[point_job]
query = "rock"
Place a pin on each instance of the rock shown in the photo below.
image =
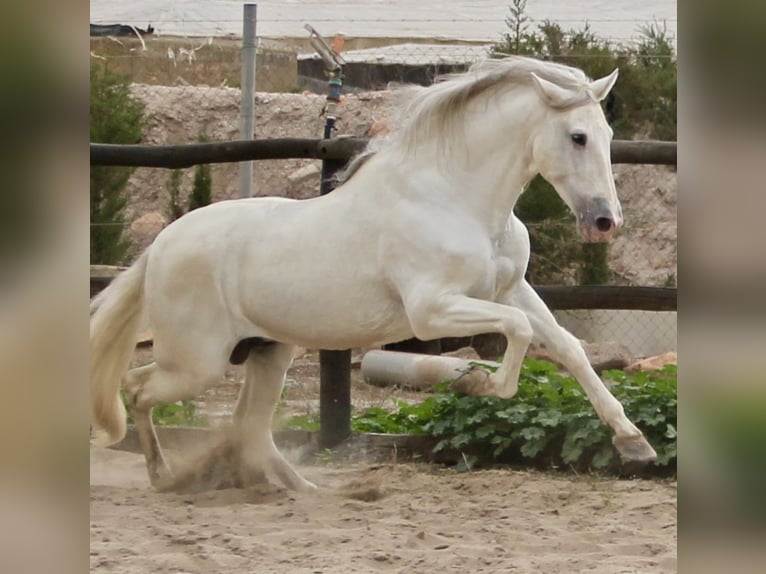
(654, 363)
(148, 226)
(304, 174)
(467, 353)
(293, 384)
(602, 356)
(608, 355)
(299, 352)
(539, 352)
(379, 127)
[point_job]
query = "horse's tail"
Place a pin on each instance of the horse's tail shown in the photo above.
(115, 318)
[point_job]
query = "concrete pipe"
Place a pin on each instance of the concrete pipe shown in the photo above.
(419, 372)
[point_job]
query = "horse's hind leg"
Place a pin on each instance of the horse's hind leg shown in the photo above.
(265, 375)
(151, 385)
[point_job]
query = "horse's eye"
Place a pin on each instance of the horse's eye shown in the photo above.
(579, 138)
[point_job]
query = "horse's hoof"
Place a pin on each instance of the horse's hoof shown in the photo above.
(463, 386)
(470, 387)
(162, 479)
(475, 382)
(635, 449)
(307, 487)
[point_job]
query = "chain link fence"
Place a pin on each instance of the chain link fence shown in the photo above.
(190, 86)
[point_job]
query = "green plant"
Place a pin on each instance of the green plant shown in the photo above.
(302, 422)
(553, 239)
(182, 413)
(115, 117)
(201, 193)
(518, 39)
(174, 207)
(594, 264)
(657, 75)
(178, 414)
(549, 423)
(670, 280)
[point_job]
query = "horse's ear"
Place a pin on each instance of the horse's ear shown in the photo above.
(553, 95)
(601, 88)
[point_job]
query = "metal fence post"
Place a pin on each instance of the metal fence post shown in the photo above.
(247, 104)
(334, 366)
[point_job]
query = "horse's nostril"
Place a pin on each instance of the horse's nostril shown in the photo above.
(604, 223)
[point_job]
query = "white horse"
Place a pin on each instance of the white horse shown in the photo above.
(420, 241)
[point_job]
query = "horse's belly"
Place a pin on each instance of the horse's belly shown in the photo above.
(330, 320)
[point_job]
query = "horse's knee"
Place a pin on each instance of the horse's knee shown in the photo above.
(576, 356)
(162, 386)
(517, 327)
(132, 385)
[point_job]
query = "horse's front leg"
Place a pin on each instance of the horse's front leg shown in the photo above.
(461, 316)
(567, 350)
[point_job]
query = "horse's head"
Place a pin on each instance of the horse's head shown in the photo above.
(571, 151)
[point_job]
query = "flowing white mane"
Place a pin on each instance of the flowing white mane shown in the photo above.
(435, 112)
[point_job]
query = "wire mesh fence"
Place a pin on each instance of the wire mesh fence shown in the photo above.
(190, 87)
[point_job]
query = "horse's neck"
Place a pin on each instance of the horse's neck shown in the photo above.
(497, 182)
(486, 172)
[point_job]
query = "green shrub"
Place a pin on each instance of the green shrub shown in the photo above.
(175, 208)
(201, 193)
(115, 117)
(549, 423)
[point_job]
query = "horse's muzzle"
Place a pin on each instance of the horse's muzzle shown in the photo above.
(598, 227)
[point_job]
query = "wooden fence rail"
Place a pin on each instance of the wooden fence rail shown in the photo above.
(188, 155)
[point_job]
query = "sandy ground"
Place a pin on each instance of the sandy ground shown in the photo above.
(384, 518)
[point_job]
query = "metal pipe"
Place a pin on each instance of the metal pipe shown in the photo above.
(334, 397)
(247, 104)
(334, 366)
